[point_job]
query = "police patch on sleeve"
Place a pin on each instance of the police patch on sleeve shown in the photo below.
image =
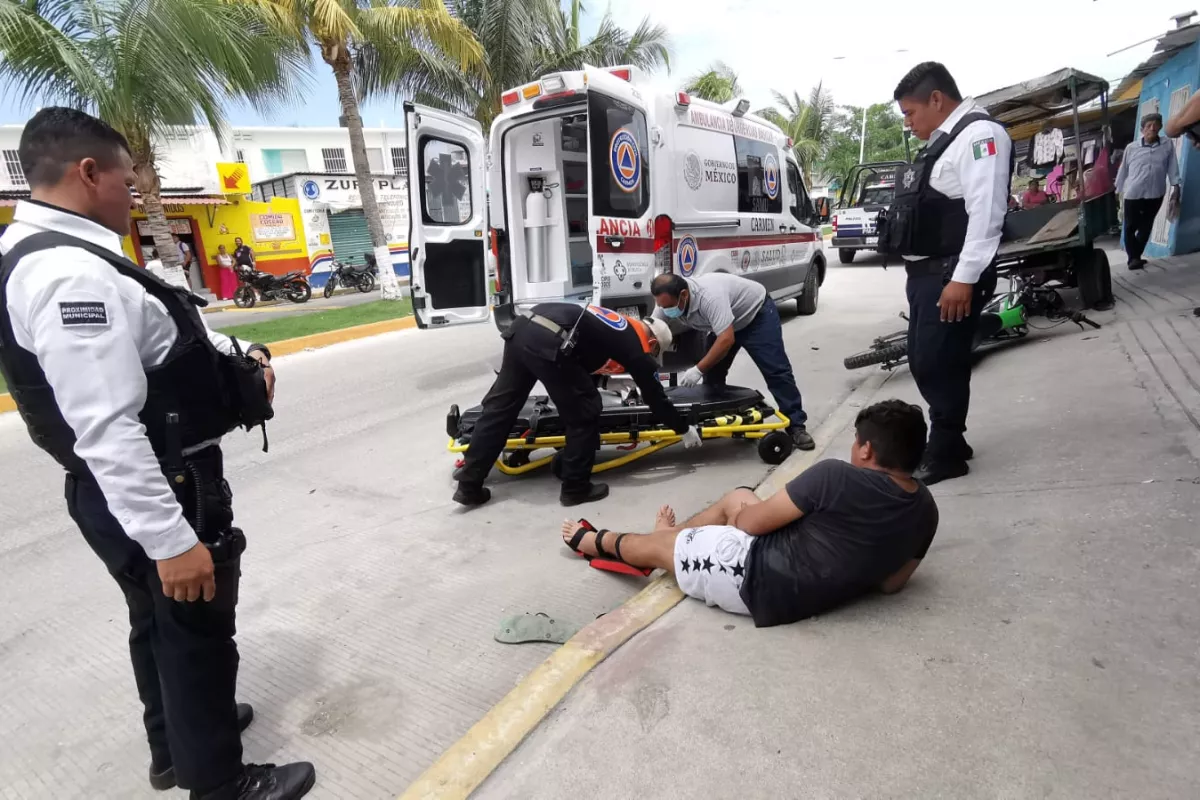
(983, 148)
(81, 313)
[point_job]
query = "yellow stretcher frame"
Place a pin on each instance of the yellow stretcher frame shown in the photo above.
(724, 427)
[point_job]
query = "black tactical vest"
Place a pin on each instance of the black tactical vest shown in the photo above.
(920, 220)
(194, 381)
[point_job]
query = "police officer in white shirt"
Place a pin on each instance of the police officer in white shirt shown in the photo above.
(946, 221)
(118, 378)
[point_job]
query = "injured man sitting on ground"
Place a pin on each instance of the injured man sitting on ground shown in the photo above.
(836, 532)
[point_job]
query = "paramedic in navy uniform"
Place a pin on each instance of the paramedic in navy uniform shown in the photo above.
(88, 352)
(946, 223)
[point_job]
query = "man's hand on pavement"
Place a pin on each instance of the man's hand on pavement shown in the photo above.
(188, 576)
(955, 302)
(268, 373)
(692, 377)
(692, 438)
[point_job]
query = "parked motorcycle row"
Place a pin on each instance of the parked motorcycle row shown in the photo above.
(255, 286)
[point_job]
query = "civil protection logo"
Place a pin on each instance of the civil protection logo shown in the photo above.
(745, 260)
(625, 161)
(689, 254)
(311, 189)
(771, 176)
(610, 318)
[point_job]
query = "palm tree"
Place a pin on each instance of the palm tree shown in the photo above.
(144, 66)
(807, 122)
(374, 47)
(525, 39)
(718, 84)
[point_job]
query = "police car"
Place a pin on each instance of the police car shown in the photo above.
(868, 191)
(594, 185)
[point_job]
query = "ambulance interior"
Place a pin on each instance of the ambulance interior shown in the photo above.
(546, 181)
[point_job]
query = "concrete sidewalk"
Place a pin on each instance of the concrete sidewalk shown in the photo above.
(1047, 648)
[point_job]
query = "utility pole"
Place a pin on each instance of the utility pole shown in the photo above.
(862, 140)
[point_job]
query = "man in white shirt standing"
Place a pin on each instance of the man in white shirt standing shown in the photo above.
(118, 378)
(946, 221)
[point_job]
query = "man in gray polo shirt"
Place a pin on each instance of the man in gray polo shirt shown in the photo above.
(735, 313)
(1148, 166)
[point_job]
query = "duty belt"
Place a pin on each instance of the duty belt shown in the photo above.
(567, 338)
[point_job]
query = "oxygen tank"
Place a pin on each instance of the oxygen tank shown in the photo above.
(537, 218)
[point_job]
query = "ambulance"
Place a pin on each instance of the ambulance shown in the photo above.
(589, 187)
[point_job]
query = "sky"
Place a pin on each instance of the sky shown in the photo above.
(848, 45)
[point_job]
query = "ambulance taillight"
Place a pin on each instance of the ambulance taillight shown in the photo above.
(664, 231)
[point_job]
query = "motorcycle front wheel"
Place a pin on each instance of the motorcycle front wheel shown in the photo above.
(330, 285)
(244, 297)
(298, 291)
(366, 282)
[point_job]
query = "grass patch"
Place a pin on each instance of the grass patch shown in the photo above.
(3, 385)
(826, 230)
(335, 319)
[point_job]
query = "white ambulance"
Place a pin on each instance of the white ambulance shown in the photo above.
(594, 187)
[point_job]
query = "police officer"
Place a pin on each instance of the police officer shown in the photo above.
(118, 378)
(946, 221)
(564, 346)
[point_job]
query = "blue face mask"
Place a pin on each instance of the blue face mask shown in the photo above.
(675, 312)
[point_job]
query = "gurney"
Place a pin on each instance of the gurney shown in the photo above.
(628, 424)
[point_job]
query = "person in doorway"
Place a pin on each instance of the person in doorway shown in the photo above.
(946, 223)
(1034, 196)
(1149, 165)
(564, 346)
(185, 254)
(736, 313)
(119, 380)
(834, 533)
(243, 255)
(155, 265)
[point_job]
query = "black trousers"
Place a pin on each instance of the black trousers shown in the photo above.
(530, 355)
(1139, 222)
(185, 661)
(939, 354)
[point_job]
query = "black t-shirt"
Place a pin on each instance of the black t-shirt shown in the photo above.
(858, 528)
(606, 340)
(244, 256)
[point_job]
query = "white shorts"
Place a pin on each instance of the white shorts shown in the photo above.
(710, 565)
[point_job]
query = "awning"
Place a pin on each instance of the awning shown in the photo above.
(1168, 45)
(189, 200)
(1041, 98)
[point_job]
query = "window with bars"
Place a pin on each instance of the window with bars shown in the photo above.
(399, 161)
(335, 159)
(12, 162)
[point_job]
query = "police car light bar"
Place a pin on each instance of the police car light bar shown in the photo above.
(682, 99)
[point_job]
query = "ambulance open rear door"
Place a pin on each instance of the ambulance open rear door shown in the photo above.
(447, 217)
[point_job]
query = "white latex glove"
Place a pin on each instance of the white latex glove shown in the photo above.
(692, 377)
(692, 438)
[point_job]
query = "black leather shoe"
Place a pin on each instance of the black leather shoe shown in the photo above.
(266, 782)
(597, 491)
(163, 777)
(471, 496)
(802, 438)
(932, 472)
(966, 451)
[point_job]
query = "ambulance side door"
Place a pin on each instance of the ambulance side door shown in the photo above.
(620, 217)
(447, 217)
(804, 238)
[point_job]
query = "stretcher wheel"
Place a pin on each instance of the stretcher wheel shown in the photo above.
(775, 447)
(517, 458)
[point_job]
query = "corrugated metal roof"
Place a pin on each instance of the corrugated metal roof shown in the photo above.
(1042, 97)
(1168, 45)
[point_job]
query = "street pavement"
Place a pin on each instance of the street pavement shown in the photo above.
(368, 599)
(1047, 647)
(232, 315)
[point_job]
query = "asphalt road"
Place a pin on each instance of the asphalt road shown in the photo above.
(369, 599)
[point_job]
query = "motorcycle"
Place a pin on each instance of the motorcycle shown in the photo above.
(254, 286)
(352, 276)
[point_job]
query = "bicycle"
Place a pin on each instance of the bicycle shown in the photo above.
(1005, 318)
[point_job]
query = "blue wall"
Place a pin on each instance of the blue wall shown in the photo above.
(1182, 70)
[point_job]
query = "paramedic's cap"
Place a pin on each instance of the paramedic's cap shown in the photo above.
(662, 332)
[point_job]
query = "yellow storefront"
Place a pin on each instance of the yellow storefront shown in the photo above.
(272, 228)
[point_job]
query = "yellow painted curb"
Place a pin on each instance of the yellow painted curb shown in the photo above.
(470, 760)
(289, 346)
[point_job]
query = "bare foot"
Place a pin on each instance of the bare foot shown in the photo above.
(587, 545)
(665, 518)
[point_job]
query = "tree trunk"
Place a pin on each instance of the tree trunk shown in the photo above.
(148, 187)
(338, 57)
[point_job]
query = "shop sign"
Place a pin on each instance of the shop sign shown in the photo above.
(272, 227)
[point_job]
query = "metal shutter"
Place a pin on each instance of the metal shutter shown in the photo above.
(350, 237)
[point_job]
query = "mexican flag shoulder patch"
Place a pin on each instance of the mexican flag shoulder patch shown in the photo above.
(984, 148)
